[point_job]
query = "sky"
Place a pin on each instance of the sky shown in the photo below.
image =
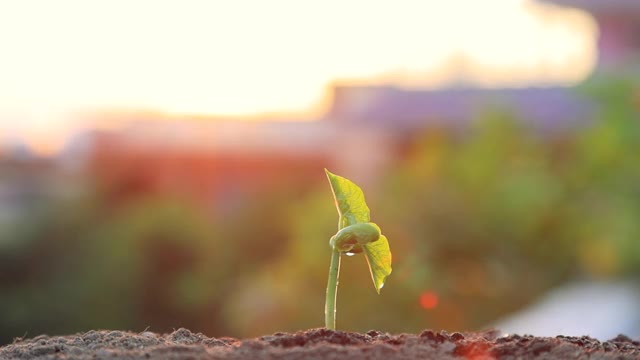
(246, 57)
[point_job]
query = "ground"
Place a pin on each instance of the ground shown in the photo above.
(318, 344)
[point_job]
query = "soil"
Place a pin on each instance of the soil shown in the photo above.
(318, 344)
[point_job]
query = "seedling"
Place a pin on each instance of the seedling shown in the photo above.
(355, 235)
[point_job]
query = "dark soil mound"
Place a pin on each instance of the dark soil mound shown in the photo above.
(318, 344)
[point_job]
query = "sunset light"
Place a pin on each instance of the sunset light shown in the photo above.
(172, 174)
(251, 57)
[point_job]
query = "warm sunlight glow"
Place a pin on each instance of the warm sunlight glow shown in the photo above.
(246, 57)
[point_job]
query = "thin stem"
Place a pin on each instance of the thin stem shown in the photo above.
(332, 291)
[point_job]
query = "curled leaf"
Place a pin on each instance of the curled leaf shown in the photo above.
(356, 234)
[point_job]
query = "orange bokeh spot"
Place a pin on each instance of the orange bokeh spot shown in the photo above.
(428, 300)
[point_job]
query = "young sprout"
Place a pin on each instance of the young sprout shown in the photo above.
(355, 235)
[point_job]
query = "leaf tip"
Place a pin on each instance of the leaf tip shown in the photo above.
(379, 288)
(381, 284)
(329, 173)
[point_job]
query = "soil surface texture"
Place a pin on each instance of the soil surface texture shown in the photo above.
(318, 344)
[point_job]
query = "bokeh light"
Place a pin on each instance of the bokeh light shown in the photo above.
(428, 300)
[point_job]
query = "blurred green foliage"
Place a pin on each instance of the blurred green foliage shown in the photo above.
(487, 220)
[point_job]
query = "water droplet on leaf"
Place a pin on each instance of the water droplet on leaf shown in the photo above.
(348, 253)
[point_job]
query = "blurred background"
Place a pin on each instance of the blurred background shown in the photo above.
(161, 164)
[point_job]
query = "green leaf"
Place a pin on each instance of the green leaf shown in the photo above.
(378, 256)
(349, 200)
(353, 210)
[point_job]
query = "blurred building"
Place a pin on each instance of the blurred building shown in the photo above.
(405, 110)
(222, 162)
(364, 128)
(24, 181)
(548, 108)
(619, 26)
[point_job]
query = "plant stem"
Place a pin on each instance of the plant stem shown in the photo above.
(332, 291)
